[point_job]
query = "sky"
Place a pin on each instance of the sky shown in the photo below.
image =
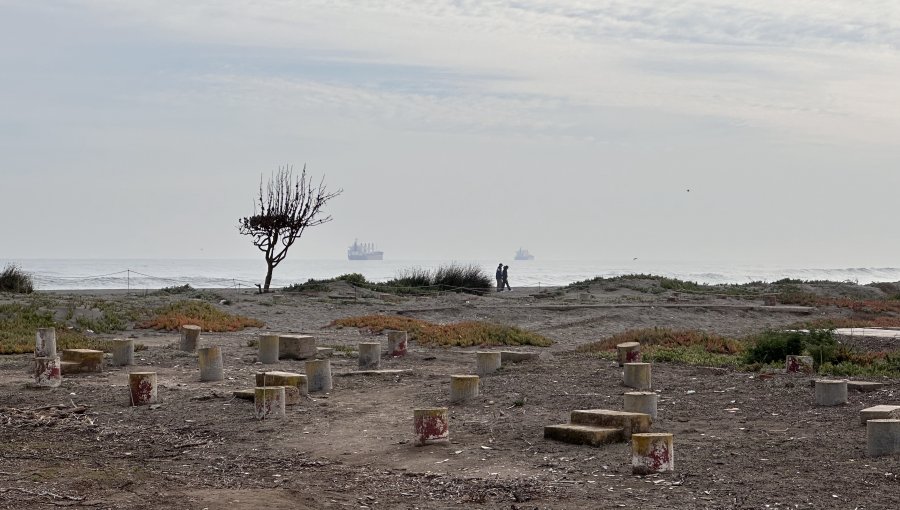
(759, 131)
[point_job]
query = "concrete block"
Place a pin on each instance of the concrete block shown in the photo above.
(882, 437)
(652, 453)
(880, 412)
(831, 393)
(517, 356)
(88, 361)
(629, 422)
(628, 352)
(864, 386)
(244, 394)
(296, 347)
(583, 434)
(637, 376)
(431, 425)
(487, 362)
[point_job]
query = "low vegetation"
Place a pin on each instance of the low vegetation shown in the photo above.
(19, 322)
(453, 277)
(766, 349)
(171, 317)
(463, 334)
(13, 279)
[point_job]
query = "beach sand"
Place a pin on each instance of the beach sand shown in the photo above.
(741, 440)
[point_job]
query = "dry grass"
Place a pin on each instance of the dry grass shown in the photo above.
(463, 334)
(19, 323)
(668, 338)
(200, 313)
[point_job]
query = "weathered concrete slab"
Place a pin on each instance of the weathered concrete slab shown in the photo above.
(629, 422)
(375, 372)
(864, 386)
(244, 394)
(881, 412)
(584, 434)
(517, 356)
(324, 352)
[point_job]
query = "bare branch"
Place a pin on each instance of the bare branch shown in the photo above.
(285, 208)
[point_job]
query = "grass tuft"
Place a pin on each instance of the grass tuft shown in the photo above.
(200, 313)
(463, 334)
(13, 279)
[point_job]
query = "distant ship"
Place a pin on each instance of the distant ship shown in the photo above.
(364, 251)
(523, 254)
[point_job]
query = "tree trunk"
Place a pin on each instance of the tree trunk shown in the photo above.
(268, 277)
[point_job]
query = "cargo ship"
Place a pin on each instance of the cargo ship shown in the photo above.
(364, 251)
(523, 254)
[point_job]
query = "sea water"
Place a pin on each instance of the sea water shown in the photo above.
(62, 274)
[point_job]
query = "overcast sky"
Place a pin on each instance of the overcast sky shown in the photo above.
(457, 129)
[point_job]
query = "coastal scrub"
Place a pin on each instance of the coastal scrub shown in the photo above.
(463, 334)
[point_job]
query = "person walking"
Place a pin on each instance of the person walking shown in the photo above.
(500, 277)
(506, 278)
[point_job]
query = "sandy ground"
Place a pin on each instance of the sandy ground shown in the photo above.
(741, 441)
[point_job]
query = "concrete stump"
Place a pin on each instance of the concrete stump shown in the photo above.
(798, 364)
(318, 375)
(268, 349)
(268, 402)
(637, 376)
(190, 338)
(369, 355)
(122, 352)
(831, 393)
(431, 425)
(463, 387)
(294, 384)
(210, 361)
(82, 360)
(628, 352)
(397, 341)
(487, 362)
(296, 347)
(641, 402)
(143, 388)
(882, 437)
(652, 453)
(45, 343)
(47, 372)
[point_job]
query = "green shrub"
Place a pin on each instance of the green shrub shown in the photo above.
(311, 285)
(13, 279)
(468, 278)
(353, 279)
(775, 346)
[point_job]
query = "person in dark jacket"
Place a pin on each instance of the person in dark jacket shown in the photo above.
(500, 277)
(506, 278)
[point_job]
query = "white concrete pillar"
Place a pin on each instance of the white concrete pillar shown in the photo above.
(637, 376)
(45, 343)
(397, 342)
(487, 362)
(628, 352)
(143, 388)
(122, 352)
(369, 355)
(47, 372)
(882, 437)
(463, 387)
(652, 453)
(432, 425)
(268, 349)
(641, 402)
(190, 338)
(318, 375)
(210, 361)
(831, 393)
(268, 402)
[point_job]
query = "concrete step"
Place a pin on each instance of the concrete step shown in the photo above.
(244, 394)
(584, 434)
(70, 367)
(629, 423)
(882, 412)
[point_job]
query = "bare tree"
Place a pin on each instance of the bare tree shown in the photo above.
(285, 208)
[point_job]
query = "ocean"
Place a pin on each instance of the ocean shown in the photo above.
(69, 274)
